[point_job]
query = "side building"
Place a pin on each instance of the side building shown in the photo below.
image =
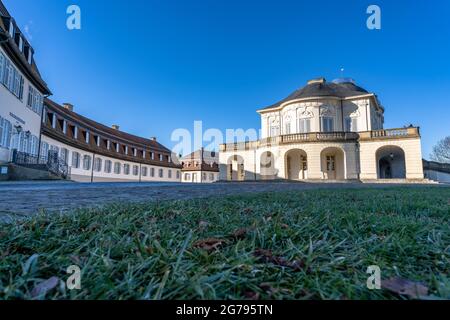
(22, 91)
(98, 153)
(200, 167)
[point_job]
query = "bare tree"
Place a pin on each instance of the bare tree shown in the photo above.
(441, 151)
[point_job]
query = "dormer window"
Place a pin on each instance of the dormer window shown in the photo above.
(87, 137)
(30, 56)
(98, 141)
(54, 121)
(20, 44)
(11, 28)
(64, 127)
(108, 145)
(126, 149)
(135, 152)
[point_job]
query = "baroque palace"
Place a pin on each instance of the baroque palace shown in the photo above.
(37, 133)
(325, 131)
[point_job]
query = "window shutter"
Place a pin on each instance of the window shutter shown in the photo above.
(21, 88)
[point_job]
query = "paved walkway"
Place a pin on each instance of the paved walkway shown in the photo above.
(20, 199)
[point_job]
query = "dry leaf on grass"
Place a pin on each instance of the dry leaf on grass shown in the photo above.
(209, 244)
(240, 234)
(44, 287)
(267, 256)
(413, 290)
(251, 295)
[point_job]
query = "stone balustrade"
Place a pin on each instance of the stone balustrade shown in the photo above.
(411, 132)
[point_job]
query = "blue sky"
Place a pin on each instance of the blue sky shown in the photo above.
(154, 66)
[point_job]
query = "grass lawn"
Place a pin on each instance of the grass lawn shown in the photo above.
(295, 245)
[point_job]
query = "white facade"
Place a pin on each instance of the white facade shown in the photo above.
(324, 137)
(20, 111)
(89, 167)
(199, 177)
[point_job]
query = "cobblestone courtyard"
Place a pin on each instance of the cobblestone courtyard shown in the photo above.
(27, 198)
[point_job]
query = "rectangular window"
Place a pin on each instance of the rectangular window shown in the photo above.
(170, 174)
(98, 165)
(287, 128)
(108, 165)
(160, 157)
(348, 125)
(64, 155)
(87, 163)
(274, 131)
(304, 125)
(161, 173)
(9, 73)
(75, 160)
(126, 169)
(117, 168)
(144, 171)
(178, 174)
(2, 124)
(354, 124)
(152, 172)
(327, 124)
(44, 151)
(2, 66)
(135, 170)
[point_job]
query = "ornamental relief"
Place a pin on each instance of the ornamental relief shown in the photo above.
(327, 111)
(304, 113)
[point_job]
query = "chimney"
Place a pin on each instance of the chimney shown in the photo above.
(115, 127)
(68, 106)
(318, 80)
(153, 139)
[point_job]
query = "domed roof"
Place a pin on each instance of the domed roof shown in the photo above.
(340, 88)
